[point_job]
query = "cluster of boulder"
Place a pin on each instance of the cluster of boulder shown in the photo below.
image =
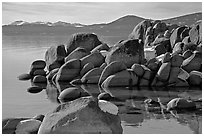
(175, 60)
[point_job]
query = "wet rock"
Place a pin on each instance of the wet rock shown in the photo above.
(144, 82)
(92, 77)
(54, 57)
(78, 53)
(86, 40)
(39, 72)
(178, 48)
(128, 52)
(82, 115)
(38, 64)
(9, 125)
(173, 76)
(193, 62)
(138, 69)
(140, 30)
(195, 78)
(29, 126)
(181, 104)
(95, 58)
(163, 72)
(39, 117)
(69, 94)
(187, 54)
(176, 60)
(69, 70)
(111, 69)
(196, 33)
(175, 36)
(34, 89)
(100, 47)
(39, 79)
(120, 79)
(86, 68)
(24, 77)
(52, 73)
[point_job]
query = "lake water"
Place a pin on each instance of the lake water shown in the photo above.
(18, 52)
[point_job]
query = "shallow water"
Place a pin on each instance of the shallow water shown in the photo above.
(18, 52)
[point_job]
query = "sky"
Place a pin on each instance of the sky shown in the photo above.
(93, 12)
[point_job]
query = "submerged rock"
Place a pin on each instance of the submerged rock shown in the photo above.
(83, 116)
(29, 126)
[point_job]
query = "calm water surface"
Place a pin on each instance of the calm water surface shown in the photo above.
(20, 51)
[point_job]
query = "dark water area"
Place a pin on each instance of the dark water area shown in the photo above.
(18, 52)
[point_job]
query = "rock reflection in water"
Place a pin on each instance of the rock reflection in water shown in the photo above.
(139, 117)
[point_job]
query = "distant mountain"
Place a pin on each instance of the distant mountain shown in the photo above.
(121, 27)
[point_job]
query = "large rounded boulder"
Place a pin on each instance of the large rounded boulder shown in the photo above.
(54, 57)
(69, 70)
(195, 78)
(85, 115)
(128, 52)
(86, 40)
(92, 76)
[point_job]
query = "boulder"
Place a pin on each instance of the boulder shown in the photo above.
(162, 41)
(100, 47)
(82, 116)
(121, 79)
(167, 34)
(154, 66)
(172, 27)
(86, 40)
(167, 57)
(181, 83)
(34, 89)
(187, 54)
(183, 74)
(175, 36)
(95, 58)
(39, 72)
(173, 76)
(69, 70)
(160, 49)
(78, 53)
(181, 104)
(159, 27)
(195, 78)
(138, 69)
(140, 30)
(185, 33)
(9, 125)
(103, 65)
(196, 33)
(163, 72)
(143, 82)
(193, 62)
(189, 46)
(147, 73)
(111, 69)
(176, 60)
(148, 40)
(128, 52)
(29, 126)
(86, 68)
(186, 40)
(38, 64)
(52, 73)
(178, 48)
(24, 77)
(69, 94)
(54, 57)
(92, 77)
(39, 79)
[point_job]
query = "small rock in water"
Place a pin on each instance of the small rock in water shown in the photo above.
(39, 117)
(29, 126)
(181, 104)
(39, 79)
(34, 89)
(108, 107)
(69, 94)
(38, 64)
(24, 77)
